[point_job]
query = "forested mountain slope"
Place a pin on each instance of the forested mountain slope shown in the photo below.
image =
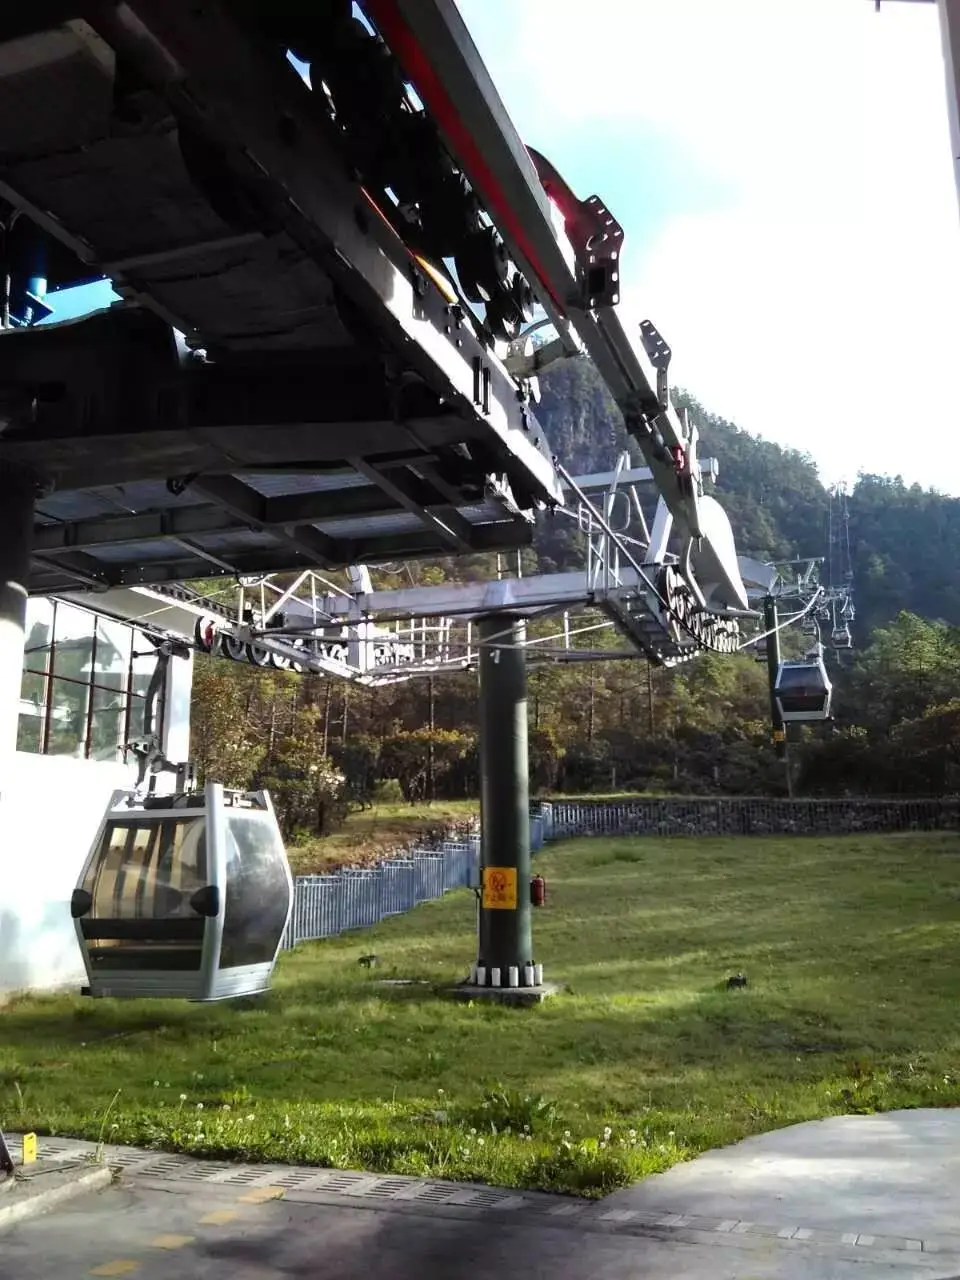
(596, 726)
(905, 541)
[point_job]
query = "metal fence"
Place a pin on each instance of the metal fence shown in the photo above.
(358, 897)
(740, 816)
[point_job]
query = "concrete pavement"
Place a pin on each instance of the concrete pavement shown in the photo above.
(864, 1197)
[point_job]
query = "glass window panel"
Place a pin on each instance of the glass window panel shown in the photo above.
(38, 633)
(112, 658)
(108, 699)
(106, 732)
(258, 892)
(144, 663)
(73, 643)
(142, 882)
(137, 708)
(68, 718)
(30, 731)
(33, 693)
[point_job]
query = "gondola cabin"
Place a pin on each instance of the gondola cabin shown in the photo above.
(184, 896)
(803, 690)
(842, 637)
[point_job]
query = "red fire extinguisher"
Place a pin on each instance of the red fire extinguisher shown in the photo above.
(538, 891)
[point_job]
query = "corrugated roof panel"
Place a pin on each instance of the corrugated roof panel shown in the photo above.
(371, 526)
(235, 540)
(134, 553)
(281, 484)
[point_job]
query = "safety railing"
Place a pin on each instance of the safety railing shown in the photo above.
(358, 897)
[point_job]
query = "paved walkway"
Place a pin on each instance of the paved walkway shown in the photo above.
(862, 1196)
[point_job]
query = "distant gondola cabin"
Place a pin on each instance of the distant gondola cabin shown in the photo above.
(803, 690)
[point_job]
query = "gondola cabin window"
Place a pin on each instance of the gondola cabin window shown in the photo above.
(256, 897)
(140, 887)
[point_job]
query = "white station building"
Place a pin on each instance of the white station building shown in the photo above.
(82, 694)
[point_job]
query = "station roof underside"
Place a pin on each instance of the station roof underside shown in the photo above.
(342, 410)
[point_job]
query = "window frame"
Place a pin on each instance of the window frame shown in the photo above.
(127, 696)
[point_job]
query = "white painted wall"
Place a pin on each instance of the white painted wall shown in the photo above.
(52, 806)
(50, 809)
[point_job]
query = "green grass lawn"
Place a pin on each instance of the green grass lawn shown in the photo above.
(851, 947)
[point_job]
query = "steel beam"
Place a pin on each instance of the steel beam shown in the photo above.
(635, 475)
(431, 41)
(242, 501)
(472, 599)
(771, 625)
(445, 521)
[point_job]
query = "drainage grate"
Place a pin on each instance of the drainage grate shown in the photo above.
(435, 1193)
(345, 1182)
(385, 1188)
(206, 1172)
(486, 1199)
(243, 1175)
(127, 1159)
(298, 1178)
(172, 1168)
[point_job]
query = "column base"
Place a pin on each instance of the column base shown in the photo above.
(520, 997)
(513, 976)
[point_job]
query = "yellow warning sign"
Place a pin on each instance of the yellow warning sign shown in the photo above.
(779, 735)
(29, 1148)
(500, 888)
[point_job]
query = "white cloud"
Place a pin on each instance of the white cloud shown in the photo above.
(820, 305)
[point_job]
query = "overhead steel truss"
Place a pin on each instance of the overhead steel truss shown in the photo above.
(310, 623)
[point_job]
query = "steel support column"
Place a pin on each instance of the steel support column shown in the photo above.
(771, 621)
(505, 946)
(17, 492)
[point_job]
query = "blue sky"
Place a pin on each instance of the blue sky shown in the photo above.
(783, 174)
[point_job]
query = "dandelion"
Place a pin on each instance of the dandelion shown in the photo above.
(566, 1133)
(183, 1097)
(607, 1133)
(480, 1142)
(603, 1146)
(199, 1106)
(631, 1133)
(473, 1133)
(226, 1106)
(526, 1128)
(251, 1117)
(440, 1092)
(671, 1133)
(156, 1084)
